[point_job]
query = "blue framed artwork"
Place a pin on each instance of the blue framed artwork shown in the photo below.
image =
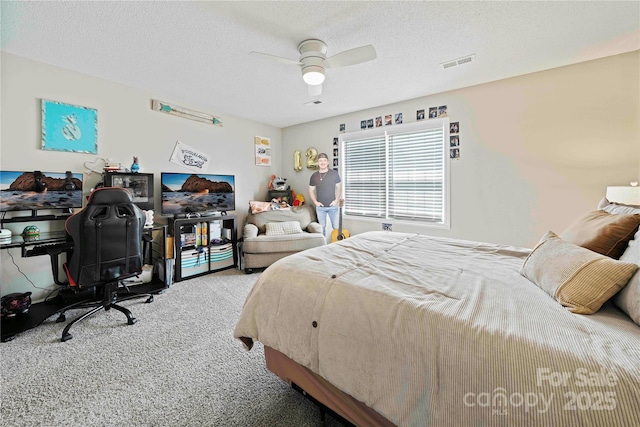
(68, 127)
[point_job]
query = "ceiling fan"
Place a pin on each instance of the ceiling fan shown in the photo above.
(313, 61)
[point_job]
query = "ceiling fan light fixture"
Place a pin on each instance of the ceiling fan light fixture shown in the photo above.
(313, 75)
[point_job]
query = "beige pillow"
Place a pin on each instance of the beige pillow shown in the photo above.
(603, 232)
(577, 278)
(282, 228)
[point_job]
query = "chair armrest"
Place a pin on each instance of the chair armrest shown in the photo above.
(314, 227)
(250, 230)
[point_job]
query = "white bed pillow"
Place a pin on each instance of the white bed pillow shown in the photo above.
(628, 299)
(617, 208)
(579, 279)
(282, 228)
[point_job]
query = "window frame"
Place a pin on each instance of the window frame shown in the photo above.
(440, 123)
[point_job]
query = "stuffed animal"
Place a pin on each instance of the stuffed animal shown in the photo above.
(298, 200)
(280, 184)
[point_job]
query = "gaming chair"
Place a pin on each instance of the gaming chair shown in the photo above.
(107, 248)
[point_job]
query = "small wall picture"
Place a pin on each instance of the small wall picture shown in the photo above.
(433, 112)
(263, 150)
(420, 115)
(388, 121)
(454, 141)
(454, 127)
(399, 118)
(342, 127)
(442, 111)
(67, 127)
(335, 152)
(378, 121)
(363, 124)
(454, 153)
(387, 226)
(370, 123)
(335, 142)
(335, 164)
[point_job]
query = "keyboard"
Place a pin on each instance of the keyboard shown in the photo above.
(48, 248)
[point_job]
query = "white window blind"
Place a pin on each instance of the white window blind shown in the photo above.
(365, 177)
(398, 173)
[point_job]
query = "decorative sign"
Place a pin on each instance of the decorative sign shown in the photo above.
(263, 151)
(190, 157)
(185, 113)
(68, 127)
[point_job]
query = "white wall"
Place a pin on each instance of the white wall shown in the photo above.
(537, 151)
(127, 127)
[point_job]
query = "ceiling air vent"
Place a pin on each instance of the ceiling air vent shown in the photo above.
(460, 61)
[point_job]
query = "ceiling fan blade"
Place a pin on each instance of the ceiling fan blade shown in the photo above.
(276, 58)
(351, 57)
(315, 90)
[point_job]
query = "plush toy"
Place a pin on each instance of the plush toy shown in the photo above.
(278, 203)
(298, 200)
(272, 178)
(280, 183)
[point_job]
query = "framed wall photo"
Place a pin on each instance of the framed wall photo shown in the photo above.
(67, 127)
(263, 151)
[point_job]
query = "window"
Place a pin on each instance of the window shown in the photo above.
(400, 172)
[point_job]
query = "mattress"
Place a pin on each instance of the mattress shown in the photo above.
(434, 331)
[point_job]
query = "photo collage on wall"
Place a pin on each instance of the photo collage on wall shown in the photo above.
(454, 128)
(386, 120)
(336, 153)
(454, 140)
(422, 114)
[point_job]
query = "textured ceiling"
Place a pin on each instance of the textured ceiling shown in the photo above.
(197, 53)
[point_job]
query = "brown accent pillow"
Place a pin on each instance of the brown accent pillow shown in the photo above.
(603, 232)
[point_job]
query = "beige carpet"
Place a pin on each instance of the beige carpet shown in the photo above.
(178, 366)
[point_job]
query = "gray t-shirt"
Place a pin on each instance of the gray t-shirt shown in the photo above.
(325, 184)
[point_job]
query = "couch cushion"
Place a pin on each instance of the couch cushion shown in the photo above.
(285, 243)
(303, 214)
(282, 228)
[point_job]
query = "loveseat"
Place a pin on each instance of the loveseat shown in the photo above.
(274, 234)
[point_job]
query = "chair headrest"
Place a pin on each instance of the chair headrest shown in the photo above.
(109, 196)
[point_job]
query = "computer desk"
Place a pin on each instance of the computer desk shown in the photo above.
(53, 244)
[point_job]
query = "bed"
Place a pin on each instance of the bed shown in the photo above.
(403, 329)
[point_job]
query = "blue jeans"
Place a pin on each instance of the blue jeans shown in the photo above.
(333, 213)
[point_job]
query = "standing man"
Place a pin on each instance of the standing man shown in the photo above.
(325, 189)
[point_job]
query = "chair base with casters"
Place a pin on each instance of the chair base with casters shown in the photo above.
(111, 299)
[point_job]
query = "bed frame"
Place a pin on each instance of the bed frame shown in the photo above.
(322, 393)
